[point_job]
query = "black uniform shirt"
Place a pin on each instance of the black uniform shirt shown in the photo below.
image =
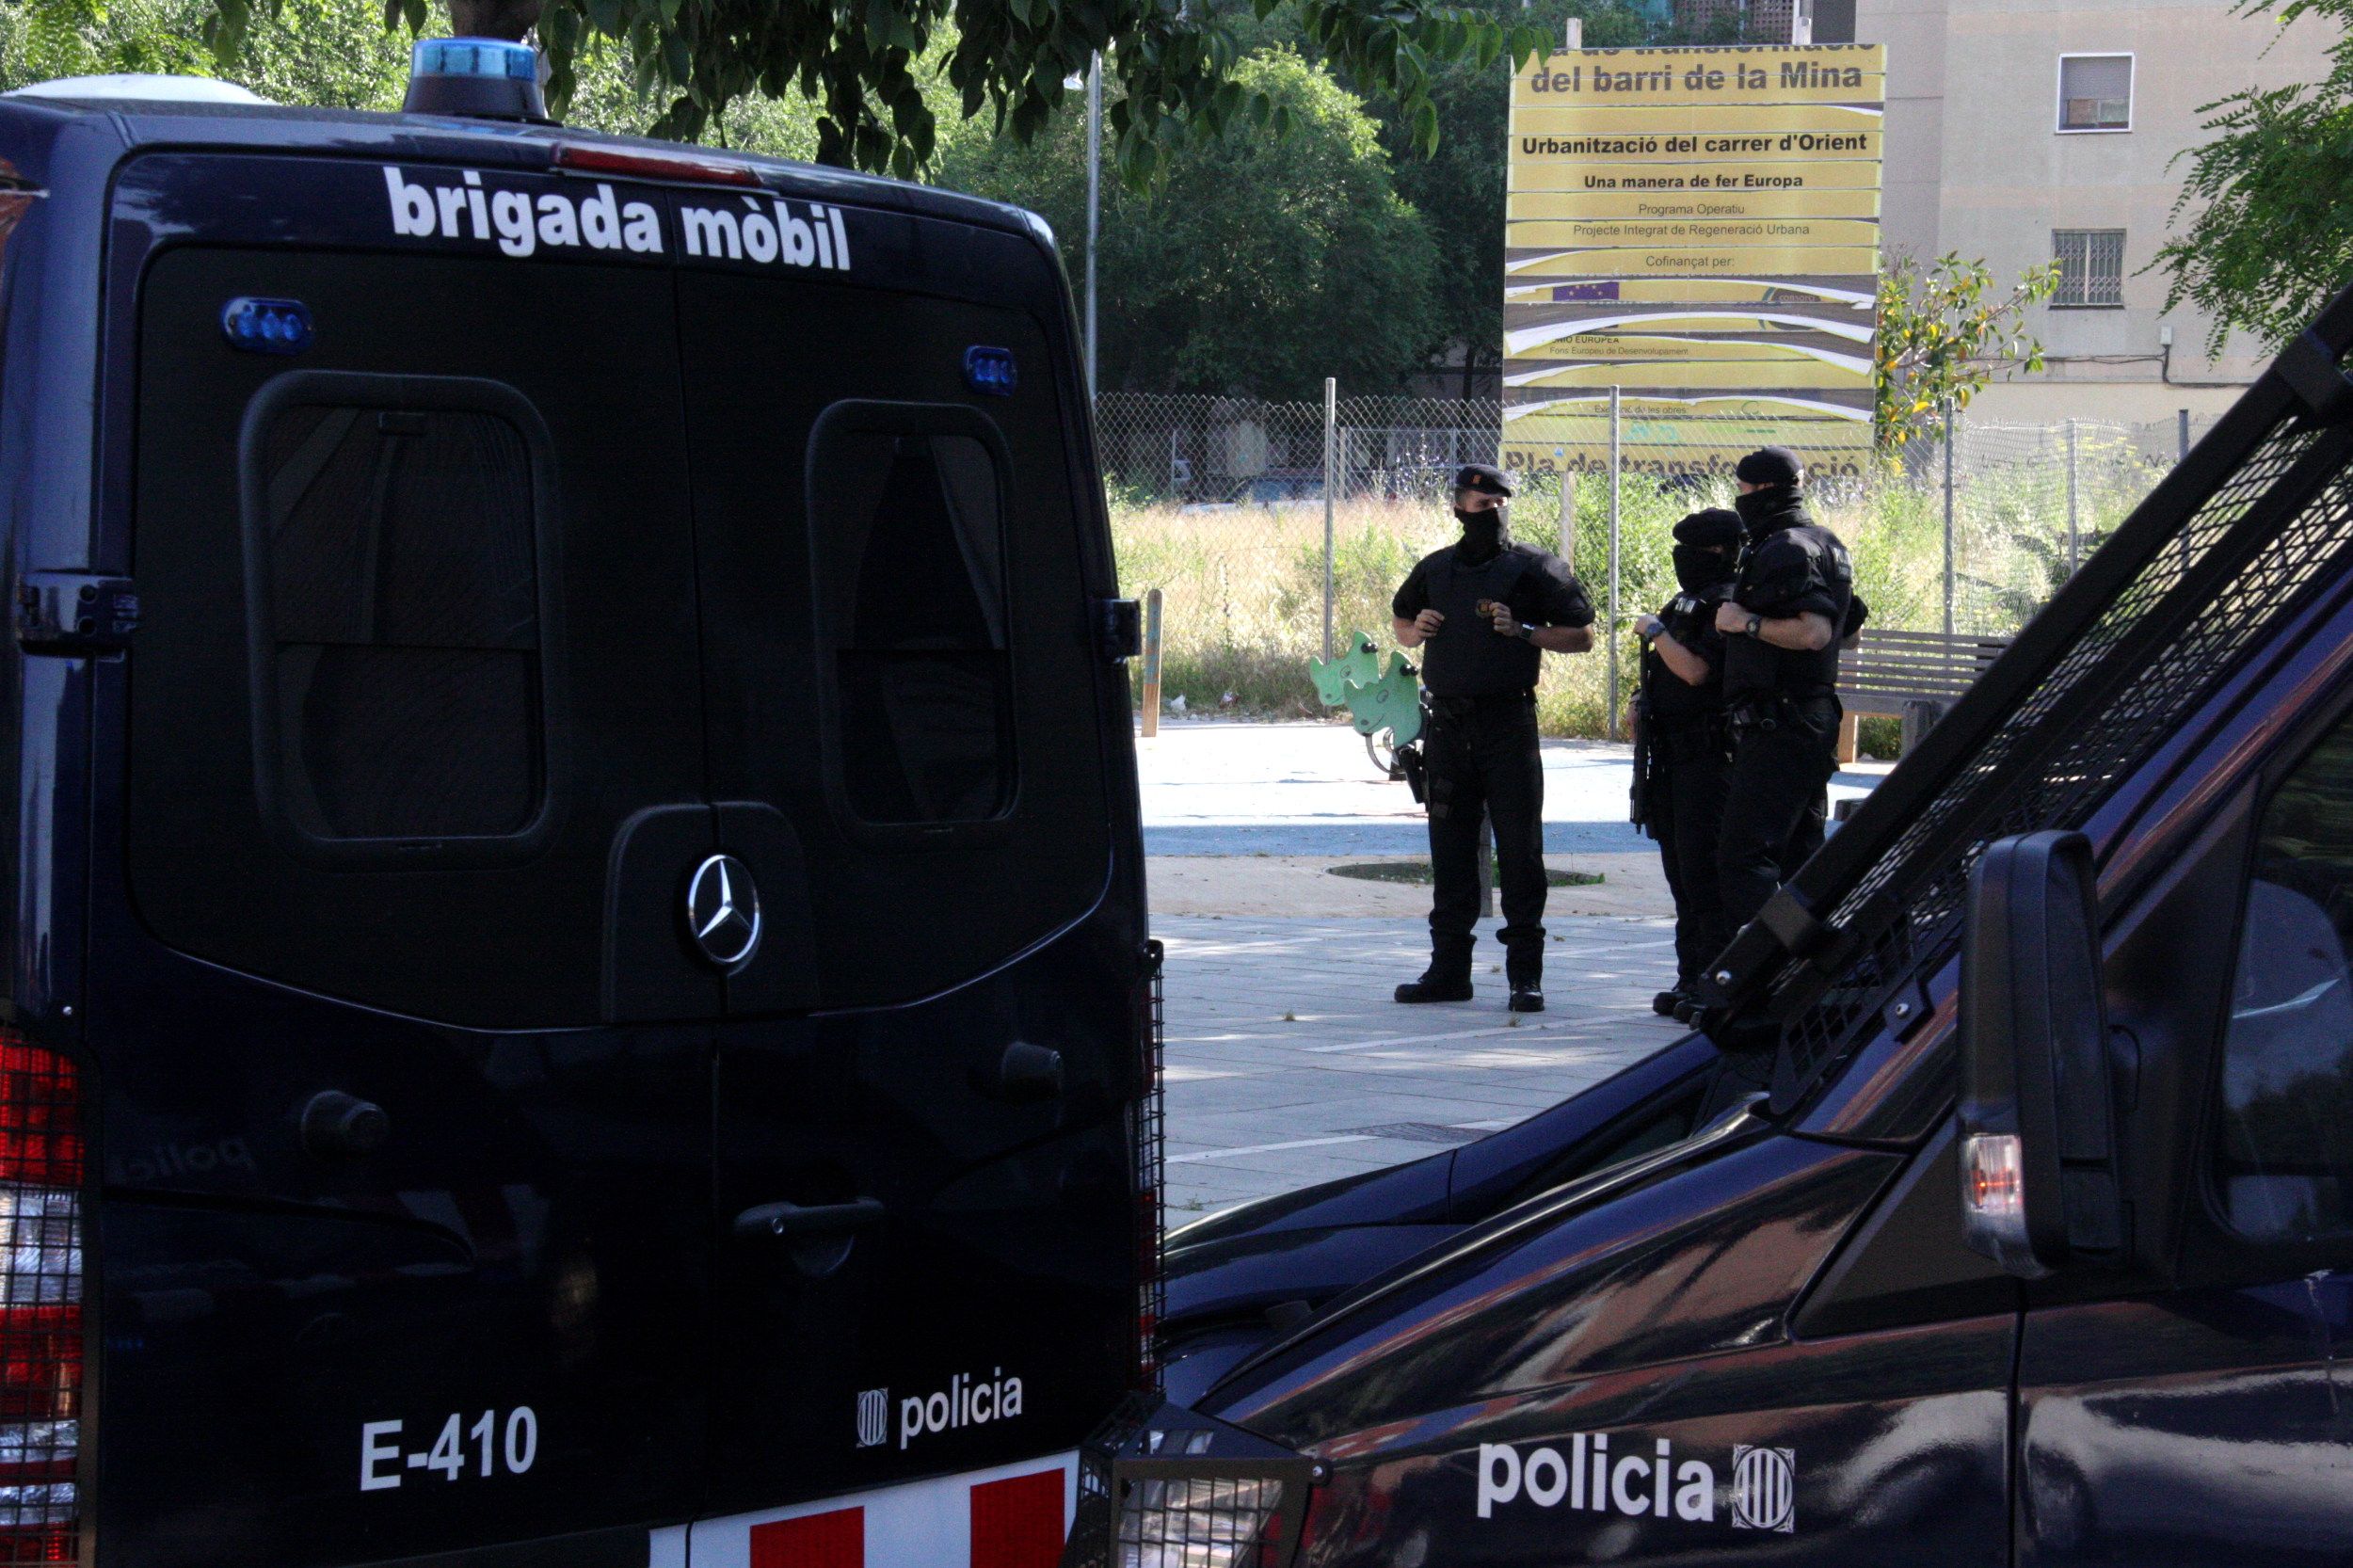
(1469, 657)
(1691, 620)
(1786, 573)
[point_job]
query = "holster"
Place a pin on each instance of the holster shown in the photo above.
(1416, 776)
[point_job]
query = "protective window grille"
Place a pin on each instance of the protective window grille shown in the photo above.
(40, 1303)
(2092, 269)
(2096, 92)
(1164, 1485)
(2194, 602)
(1151, 1175)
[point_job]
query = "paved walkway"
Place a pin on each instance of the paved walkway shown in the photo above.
(1288, 1064)
(1223, 786)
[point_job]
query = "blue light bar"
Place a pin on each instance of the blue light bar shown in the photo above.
(266, 326)
(481, 78)
(991, 371)
(473, 57)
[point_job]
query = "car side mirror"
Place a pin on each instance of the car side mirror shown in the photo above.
(2040, 1184)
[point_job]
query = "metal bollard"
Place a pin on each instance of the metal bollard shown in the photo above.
(1151, 664)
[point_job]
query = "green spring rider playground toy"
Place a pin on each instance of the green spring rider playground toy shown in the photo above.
(1383, 703)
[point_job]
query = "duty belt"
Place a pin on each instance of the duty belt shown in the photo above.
(1761, 712)
(1465, 707)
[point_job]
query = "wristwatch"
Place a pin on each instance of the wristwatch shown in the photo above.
(1527, 632)
(1754, 622)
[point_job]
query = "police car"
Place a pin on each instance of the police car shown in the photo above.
(576, 979)
(2003, 1214)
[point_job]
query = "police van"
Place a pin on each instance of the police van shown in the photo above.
(2004, 1213)
(577, 989)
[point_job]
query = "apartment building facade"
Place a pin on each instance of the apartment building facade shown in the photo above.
(2052, 131)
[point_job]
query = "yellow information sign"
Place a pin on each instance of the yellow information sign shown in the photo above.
(1691, 206)
(1697, 227)
(1536, 172)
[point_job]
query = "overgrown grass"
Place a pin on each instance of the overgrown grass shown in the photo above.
(1242, 588)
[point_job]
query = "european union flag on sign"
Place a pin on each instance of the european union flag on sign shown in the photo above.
(1585, 294)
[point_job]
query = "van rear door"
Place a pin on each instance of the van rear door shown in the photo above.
(395, 793)
(909, 748)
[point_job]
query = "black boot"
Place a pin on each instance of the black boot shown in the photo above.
(1527, 986)
(1666, 1004)
(1437, 985)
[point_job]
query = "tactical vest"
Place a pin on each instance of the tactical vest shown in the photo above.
(1469, 657)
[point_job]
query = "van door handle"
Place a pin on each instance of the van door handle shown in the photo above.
(1026, 1074)
(794, 1221)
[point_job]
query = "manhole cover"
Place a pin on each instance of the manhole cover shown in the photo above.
(1420, 1132)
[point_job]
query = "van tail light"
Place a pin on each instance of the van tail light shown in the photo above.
(581, 157)
(1150, 1169)
(40, 1303)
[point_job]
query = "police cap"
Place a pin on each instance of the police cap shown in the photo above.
(1484, 477)
(1709, 528)
(1770, 465)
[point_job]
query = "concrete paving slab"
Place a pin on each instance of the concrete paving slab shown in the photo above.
(1258, 1106)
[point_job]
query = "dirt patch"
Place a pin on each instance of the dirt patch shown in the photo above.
(1630, 884)
(1419, 874)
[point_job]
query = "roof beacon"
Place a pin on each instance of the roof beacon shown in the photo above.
(481, 78)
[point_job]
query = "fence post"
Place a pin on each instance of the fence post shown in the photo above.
(2181, 437)
(1948, 519)
(1611, 698)
(1486, 865)
(1151, 662)
(2074, 535)
(1568, 519)
(1094, 198)
(1331, 483)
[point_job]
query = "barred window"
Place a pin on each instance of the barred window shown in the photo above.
(2092, 269)
(2095, 92)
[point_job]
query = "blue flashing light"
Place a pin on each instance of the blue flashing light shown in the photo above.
(495, 58)
(991, 371)
(266, 326)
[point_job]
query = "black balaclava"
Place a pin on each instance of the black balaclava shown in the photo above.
(1779, 471)
(1704, 549)
(1483, 535)
(1700, 568)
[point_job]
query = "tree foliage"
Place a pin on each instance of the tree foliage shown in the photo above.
(861, 65)
(1940, 328)
(2271, 232)
(1252, 265)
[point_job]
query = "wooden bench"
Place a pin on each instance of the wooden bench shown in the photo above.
(1911, 676)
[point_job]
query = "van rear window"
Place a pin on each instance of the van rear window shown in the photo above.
(394, 580)
(909, 550)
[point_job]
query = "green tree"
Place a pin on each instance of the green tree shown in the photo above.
(336, 54)
(1940, 328)
(2270, 233)
(1254, 264)
(1176, 65)
(1458, 186)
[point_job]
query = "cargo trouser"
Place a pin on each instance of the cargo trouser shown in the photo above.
(1784, 752)
(1481, 754)
(1684, 811)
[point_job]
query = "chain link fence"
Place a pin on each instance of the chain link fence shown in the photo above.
(1267, 526)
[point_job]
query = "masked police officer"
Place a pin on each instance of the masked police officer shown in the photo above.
(1788, 611)
(1483, 609)
(1681, 750)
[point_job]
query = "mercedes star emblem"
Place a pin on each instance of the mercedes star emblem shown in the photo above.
(723, 912)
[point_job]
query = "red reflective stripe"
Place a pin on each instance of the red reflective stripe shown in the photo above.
(835, 1540)
(1016, 1522)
